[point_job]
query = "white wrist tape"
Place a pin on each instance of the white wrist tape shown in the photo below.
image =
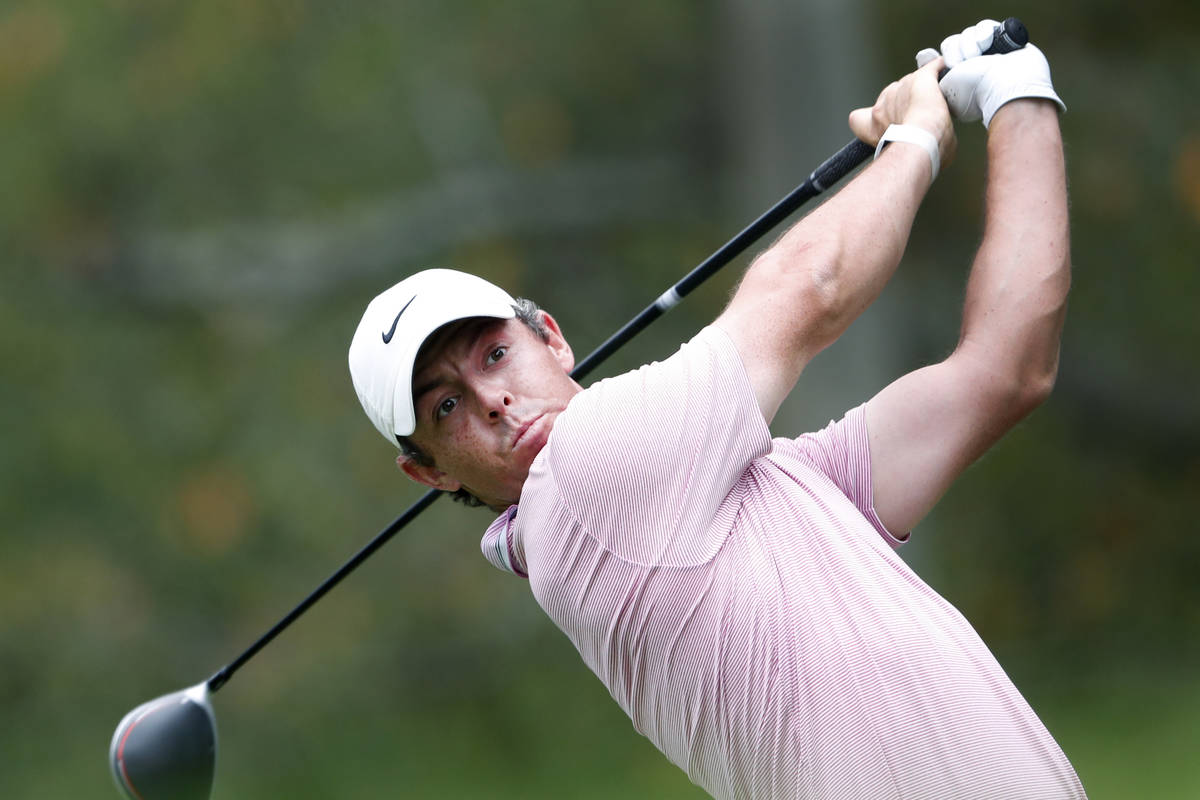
(912, 135)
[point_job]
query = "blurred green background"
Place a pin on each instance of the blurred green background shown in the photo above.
(199, 199)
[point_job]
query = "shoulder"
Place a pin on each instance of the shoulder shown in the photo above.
(647, 457)
(632, 426)
(672, 390)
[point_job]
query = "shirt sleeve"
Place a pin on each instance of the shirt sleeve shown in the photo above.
(497, 545)
(842, 452)
(645, 460)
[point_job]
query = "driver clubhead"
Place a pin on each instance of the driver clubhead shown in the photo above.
(167, 748)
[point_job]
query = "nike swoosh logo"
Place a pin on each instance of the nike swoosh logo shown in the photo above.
(387, 337)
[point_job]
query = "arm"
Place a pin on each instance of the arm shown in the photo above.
(928, 426)
(801, 294)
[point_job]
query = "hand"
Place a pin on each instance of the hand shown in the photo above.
(915, 99)
(971, 43)
(977, 85)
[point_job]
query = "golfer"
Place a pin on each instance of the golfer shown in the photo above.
(740, 595)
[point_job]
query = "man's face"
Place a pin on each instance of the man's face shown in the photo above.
(486, 394)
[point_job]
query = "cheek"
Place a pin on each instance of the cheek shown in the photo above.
(546, 379)
(466, 446)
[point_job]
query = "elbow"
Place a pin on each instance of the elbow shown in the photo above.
(1035, 388)
(1015, 356)
(1019, 393)
(1036, 370)
(820, 292)
(808, 292)
(1007, 389)
(809, 272)
(824, 288)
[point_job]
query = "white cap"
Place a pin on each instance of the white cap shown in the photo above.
(396, 324)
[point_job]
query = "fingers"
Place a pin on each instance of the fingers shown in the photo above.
(893, 103)
(933, 65)
(925, 56)
(916, 98)
(868, 124)
(972, 42)
(861, 126)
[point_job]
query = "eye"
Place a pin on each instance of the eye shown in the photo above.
(496, 355)
(445, 407)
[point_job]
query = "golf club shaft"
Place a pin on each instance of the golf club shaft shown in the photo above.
(221, 676)
(826, 175)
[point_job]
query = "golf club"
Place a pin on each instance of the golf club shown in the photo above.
(166, 748)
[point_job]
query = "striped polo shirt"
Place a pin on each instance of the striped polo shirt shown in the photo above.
(742, 602)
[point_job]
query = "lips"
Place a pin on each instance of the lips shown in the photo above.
(530, 432)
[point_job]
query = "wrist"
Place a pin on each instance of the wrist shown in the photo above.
(1023, 111)
(940, 126)
(914, 135)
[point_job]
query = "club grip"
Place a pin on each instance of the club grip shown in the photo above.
(840, 164)
(1008, 36)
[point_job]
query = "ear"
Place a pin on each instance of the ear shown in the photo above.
(428, 475)
(558, 343)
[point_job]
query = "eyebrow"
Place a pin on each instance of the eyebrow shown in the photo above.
(427, 387)
(421, 391)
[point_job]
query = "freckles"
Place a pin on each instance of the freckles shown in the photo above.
(467, 443)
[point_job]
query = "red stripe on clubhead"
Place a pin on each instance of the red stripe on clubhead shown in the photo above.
(121, 755)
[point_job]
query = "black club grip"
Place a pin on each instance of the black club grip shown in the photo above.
(840, 164)
(1008, 36)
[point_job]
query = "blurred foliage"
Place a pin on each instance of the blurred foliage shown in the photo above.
(197, 203)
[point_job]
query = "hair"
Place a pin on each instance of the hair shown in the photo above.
(528, 312)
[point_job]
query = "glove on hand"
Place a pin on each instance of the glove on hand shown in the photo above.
(977, 85)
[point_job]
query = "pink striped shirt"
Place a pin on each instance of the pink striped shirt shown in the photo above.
(742, 602)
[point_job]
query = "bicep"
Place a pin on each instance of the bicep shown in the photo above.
(928, 426)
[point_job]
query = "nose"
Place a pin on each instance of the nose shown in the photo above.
(495, 401)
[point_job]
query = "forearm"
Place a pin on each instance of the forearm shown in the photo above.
(1017, 292)
(833, 263)
(845, 252)
(928, 426)
(805, 290)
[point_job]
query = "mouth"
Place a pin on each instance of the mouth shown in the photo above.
(522, 436)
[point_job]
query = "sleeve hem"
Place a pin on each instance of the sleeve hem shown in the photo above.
(895, 540)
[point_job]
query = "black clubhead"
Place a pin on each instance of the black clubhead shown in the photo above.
(166, 749)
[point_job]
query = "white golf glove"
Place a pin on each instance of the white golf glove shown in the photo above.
(977, 85)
